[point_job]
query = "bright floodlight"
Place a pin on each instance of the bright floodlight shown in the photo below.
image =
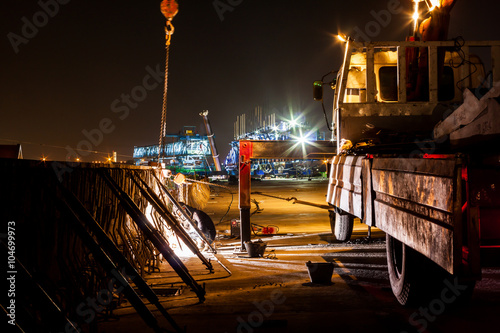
(433, 4)
(302, 139)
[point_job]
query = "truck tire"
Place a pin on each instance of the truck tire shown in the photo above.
(400, 270)
(417, 280)
(341, 225)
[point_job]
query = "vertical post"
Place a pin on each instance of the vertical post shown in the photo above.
(465, 68)
(402, 74)
(340, 90)
(433, 74)
(495, 62)
(211, 141)
(371, 88)
(244, 191)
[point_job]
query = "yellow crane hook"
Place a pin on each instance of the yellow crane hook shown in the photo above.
(169, 9)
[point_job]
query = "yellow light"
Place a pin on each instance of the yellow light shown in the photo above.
(179, 179)
(416, 16)
(341, 38)
(433, 4)
(78, 159)
(302, 139)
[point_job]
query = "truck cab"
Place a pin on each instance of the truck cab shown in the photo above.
(378, 91)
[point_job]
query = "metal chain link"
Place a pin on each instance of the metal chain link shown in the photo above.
(169, 30)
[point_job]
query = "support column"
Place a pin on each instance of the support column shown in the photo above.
(244, 191)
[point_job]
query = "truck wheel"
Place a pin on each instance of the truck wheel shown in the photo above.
(400, 271)
(341, 225)
(415, 279)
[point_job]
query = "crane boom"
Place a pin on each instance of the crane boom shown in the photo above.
(211, 140)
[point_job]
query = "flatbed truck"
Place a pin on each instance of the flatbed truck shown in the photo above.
(424, 168)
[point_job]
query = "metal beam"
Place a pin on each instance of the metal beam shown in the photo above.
(288, 149)
(152, 234)
(76, 208)
(244, 190)
(271, 149)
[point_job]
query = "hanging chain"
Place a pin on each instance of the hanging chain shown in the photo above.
(169, 9)
(163, 126)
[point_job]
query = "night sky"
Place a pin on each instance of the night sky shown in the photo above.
(69, 75)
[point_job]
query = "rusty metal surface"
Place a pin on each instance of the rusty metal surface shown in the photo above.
(268, 149)
(366, 178)
(414, 202)
(49, 244)
(290, 149)
(345, 185)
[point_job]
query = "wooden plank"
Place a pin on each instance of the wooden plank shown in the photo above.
(467, 112)
(415, 204)
(436, 167)
(371, 86)
(428, 191)
(433, 74)
(402, 74)
(495, 62)
(484, 126)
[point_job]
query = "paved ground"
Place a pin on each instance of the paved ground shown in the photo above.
(274, 293)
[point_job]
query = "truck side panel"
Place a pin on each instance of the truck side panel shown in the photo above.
(345, 186)
(414, 202)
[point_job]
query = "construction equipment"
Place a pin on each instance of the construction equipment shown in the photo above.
(420, 168)
(74, 207)
(210, 136)
(416, 155)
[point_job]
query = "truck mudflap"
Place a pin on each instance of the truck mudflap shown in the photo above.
(418, 202)
(345, 186)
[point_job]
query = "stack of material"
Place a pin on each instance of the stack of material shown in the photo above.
(475, 121)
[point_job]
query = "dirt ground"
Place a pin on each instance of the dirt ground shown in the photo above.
(275, 293)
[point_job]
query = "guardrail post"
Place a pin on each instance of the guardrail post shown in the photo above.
(244, 191)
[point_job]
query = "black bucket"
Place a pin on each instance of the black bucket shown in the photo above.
(255, 249)
(320, 272)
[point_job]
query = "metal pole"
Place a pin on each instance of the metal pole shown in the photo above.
(244, 191)
(211, 140)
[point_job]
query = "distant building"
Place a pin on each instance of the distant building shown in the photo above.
(186, 152)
